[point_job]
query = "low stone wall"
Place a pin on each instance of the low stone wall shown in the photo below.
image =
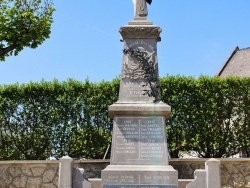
(235, 173)
(35, 174)
(92, 168)
(186, 167)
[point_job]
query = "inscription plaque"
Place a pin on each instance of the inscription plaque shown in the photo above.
(140, 176)
(139, 140)
(133, 90)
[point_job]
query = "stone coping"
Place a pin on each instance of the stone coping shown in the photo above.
(193, 160)
(30, 162)
(92, 161)
(223, 160)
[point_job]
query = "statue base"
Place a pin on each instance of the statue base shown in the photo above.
(140, 21)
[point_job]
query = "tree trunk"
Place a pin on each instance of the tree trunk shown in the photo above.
(4, 51)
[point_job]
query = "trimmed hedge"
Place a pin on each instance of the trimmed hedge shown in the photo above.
(210, 116)
(40, 120)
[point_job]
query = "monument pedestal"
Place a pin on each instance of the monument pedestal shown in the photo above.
(139, 156)
(139, 176)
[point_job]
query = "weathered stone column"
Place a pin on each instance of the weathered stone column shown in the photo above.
(213, 173)
(139, 156)
(65, 172)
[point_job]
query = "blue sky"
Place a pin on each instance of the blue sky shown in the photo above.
(197, 38)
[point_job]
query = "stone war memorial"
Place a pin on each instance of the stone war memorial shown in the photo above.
(139, 157)
(139, 154)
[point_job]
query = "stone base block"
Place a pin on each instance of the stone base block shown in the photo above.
(200, 179)
(182, 183)
(139, 176)
(140, 22)
(95, 182)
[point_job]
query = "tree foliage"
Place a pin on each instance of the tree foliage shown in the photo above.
(23, 23)
(210, 116)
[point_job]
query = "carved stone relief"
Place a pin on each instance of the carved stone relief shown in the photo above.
(141, 65)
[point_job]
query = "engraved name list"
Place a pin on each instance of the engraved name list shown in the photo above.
(142, 139)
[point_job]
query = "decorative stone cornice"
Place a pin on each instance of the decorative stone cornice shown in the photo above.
(140, 109)
(140, 32)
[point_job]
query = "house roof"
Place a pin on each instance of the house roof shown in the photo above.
(238, 63)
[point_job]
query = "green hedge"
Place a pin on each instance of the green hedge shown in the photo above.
(210, 116)
(40, 120)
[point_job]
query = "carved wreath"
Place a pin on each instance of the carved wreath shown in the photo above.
(148, 70)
